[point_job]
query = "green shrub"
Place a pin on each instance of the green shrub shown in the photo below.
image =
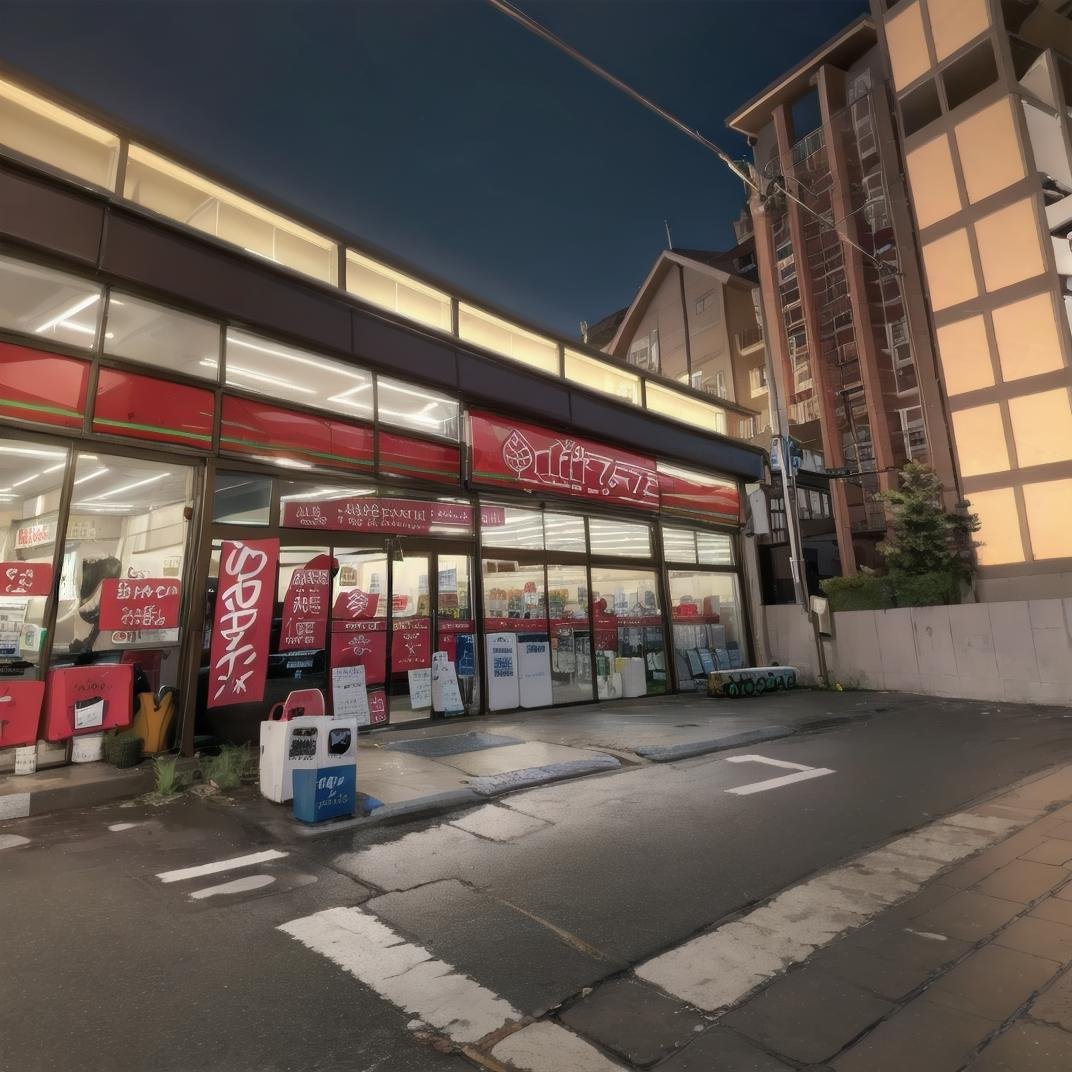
(924, 589)
(168, 780)
(861, 591)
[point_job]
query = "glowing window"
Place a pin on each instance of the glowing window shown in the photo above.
(1042, 427)
(1028, 343)
(965, 356)
(416, 408)
(48, 305)
(670, 403)
(42, 130)
(183, 195)
(603, 377)
(950, 272)
(980, 438)
(935, 193)
(1009, 245)
(155, 335)
(990, 150)
(402, 294)
(999, 533)
(955, 22)
(1048, 508)
(502, 337)
(908, 46)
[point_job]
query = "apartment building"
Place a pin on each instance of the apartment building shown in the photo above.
(912, 246)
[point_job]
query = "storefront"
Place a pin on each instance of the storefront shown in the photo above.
(241, 458)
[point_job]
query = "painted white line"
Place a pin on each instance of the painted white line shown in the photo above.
(14, 805)
(770, 762)
(11, 841)
(720, 968)
(116, 828)
(404, 973)
(236, 885)
(777, 783)
(549, 1047)
(220, 865)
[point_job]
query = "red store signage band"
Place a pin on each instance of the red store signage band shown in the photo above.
(509, 454)
(241, 631)
(371, 513)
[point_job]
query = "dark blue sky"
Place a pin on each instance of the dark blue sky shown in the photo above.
(441, 130)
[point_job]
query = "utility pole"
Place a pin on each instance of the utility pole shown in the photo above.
(778, 409)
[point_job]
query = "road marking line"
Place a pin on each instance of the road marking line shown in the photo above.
(14, 805)
(236, 885)
(718, 969)
(11, 841)
(220, 865)
(116, 828)
(770, 762)
(777, 783)
(548, 1047)
(404, 973)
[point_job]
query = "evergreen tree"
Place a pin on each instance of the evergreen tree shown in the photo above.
(922, 537)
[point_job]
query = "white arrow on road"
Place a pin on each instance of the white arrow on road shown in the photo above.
(802, 775)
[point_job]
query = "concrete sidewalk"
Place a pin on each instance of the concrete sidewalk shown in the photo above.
(970, 970)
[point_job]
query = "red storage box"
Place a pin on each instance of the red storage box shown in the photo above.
(20, 712)
(88, 699)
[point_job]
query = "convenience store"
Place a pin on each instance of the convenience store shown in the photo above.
(183, 368)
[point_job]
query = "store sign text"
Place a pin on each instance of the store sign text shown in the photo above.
(25, 578)
(366, 513)
(144, 603)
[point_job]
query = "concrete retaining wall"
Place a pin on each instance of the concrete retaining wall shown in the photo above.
(1016, 651)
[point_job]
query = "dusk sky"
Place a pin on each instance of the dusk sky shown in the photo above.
(439, 129)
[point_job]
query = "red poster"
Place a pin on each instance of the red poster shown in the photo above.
(697, 497)
(512, 454)
(377, 701)
(305, 608)
(143, 603)
(241, 633)
(353, 604)
(449, 629)
(411, 647)
(20, 711)
(370, 513)
(25, 578)
(361, 644)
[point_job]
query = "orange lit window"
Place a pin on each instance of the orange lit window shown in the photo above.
(1042, 427)
(965, 356)
(1049, 518)
(934, 185)
(990, 150)
(1009, 245)
(908, 46)
(980, 438)
(1028, 343)
(950, 273)
(999, 533)
(955, 22)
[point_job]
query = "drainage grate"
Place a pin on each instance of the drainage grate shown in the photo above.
(454, 744)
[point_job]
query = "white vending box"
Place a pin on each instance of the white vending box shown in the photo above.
(294, 735)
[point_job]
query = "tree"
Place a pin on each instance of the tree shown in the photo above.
(922, 537)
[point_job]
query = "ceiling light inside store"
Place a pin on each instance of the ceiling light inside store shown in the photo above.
(131, 487)
(91, 476)
(289, 463)
(233, 340)
(252, 374)
(104, 506)
(36, 476)
(74, 310)
(34, 452)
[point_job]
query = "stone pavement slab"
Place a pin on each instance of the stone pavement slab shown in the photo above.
(1054, 909)
(921, 1037)
(993, 982)
(968, 916)
(1039, 937)
(1023, 881)
(722, 1050)
(498, 823)
(808, 1015)
(636, 1021)
(1026, 1047)
(1054, 1006)
(513, 757)
(1056, 851)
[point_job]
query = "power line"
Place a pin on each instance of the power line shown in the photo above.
(540, 30)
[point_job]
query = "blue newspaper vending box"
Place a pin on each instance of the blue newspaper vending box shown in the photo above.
(325, 793)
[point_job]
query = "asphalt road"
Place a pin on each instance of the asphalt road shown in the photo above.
(105, 966)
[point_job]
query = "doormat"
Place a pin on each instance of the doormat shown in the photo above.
(453, 745)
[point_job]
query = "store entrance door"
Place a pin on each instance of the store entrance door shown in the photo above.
(431, 611)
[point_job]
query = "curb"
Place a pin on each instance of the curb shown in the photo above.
(119, 785)
(496, 784)
(670, 753)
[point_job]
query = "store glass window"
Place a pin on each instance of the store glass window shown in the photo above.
(619, 538)
(299, 376)
(564, 532)
(602, 376)
(570, 633)
(127, 522)
(630, 642)
(679, 545)
(413, 407)
(163, 186)
(714, 548)
(376, 283)
(509, 340)
(456, 625)
(518, 529)
(515, 631)
(47, 304)
(31, 476)
(165, 338)
(242, 499)
(42, 130)
(706, 618)
(681, 407)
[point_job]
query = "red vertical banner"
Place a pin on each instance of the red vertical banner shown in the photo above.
(361, 643)
(411, 644)
(305, 607)
(241, 631)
